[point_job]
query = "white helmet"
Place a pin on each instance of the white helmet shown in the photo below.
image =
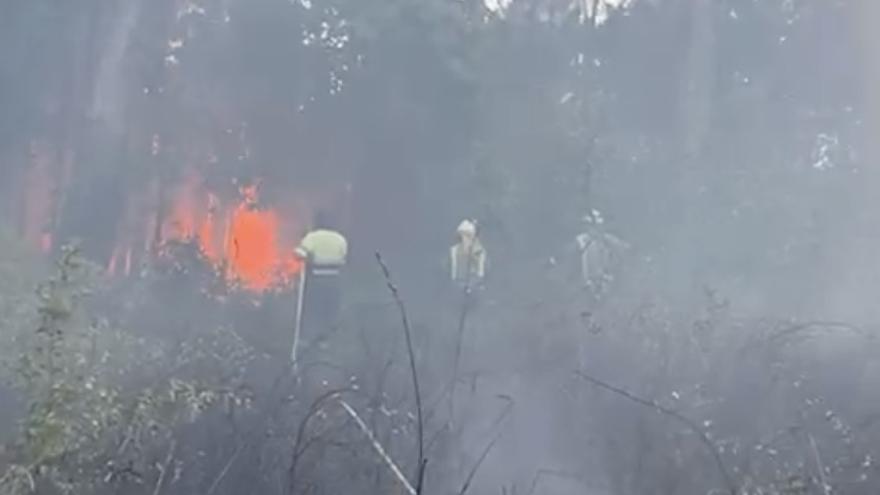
(467, 227)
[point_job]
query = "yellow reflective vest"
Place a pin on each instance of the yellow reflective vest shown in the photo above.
(460, 262)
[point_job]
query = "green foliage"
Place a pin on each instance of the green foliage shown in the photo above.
(83, 418)
(19, 273)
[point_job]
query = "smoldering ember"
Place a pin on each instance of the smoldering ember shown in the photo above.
(452, 247)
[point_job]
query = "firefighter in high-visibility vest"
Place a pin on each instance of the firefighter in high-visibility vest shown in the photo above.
(468, 257)
(324, 251)
(599, 253)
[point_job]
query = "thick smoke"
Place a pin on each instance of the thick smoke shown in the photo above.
(184, 147)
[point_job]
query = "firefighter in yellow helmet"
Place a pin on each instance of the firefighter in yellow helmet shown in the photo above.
(468, 257)
(324, 251)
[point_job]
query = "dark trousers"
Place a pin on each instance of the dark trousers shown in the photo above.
(321, 305)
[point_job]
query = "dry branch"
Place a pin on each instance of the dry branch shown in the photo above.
(826, 488)
(378, 448)
(412, 365)
(163, 468)
(689, 423)
(299, 447)
(473, 472)
(501, 417)
(226, 467)
(808, 325)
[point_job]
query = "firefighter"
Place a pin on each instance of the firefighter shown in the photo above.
(468, 257)
(599, 251)
(323, 251)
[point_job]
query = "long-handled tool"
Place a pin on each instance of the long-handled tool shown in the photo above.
(300, 298)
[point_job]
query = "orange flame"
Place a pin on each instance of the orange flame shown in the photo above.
(251, 246)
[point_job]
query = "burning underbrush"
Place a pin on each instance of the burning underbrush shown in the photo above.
(250, 245)
(247, 240)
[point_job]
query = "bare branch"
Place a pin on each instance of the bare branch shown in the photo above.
(226, 468)
(15, 474)
(252, 434)
(299, 447)
(412, 365)
(689, 423)
(826, 488)
(163, 468)
(509, 403)
(378, 448)
(473, 472)
(807, 325)
(501, 417)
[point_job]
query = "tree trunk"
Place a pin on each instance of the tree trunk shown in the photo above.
(700, 77)
(698, 92)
